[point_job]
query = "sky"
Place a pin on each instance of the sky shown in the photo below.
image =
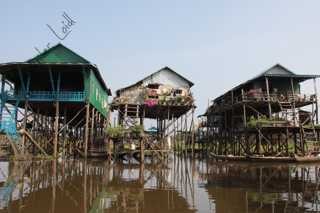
(215, 44)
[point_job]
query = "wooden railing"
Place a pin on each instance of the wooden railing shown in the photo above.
(279, 97)
(72, 96)
(263, 97)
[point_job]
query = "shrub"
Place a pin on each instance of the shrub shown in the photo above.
(137, 131)
(115, 132)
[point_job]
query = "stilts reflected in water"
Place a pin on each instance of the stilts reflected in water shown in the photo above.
(179, 185)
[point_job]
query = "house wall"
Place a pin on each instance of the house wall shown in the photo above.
(283, 85)
(134, 94)
(95, 94)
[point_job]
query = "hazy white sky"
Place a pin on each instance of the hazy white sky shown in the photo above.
(215, 44)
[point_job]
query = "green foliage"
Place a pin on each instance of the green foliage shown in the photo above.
(263, 120)
(309, 126)
(179, 99)
(115, 132)
(162, 100)
(254, 121)
(137, 131)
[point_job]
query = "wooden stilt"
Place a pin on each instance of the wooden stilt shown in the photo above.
(268, 97)
(92, 126)
(25, 119)
(192, 132)
(86, 131)
(56, 131)
(142, 150)
(316, 99)
(64, 135)
(244, 109)
(293, 102)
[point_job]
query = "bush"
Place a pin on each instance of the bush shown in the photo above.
(115, 132)
(263, 120)
(137, 131)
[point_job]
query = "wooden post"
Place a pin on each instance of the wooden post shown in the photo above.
(56, 131)
(110, 142)
(192, 136)
(25, 118)
(86, 131)
(259, 142)
(141, 174)
(316, 98)
(181, 136)
(295, 142)
(92, 126)
(174, 132)
(142, 150)
(232, 123)
(244, 109)
(294, 102)
(287, 141)
(64, 131)
(268, 97)
(185, 133)
(84, 172)
(2, 97)
(54, 183)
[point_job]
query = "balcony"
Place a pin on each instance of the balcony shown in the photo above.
(263, 97)
(299, 98)
(66, 96)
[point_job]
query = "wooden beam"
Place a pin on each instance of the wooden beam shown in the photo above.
(142, 150)
(192, 132)
(2, 96)
(244, 110)
(64, 134)
(86, 131)
(51, 78)
(92, 125)
(294, 102)
(56, 131)
(27, 134)
(21, 79)
(268, 96)
(316, 97)
(25, 117)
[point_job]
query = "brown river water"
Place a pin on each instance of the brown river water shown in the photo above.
(177, 185)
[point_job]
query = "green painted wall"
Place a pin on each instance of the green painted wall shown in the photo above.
(96, 95)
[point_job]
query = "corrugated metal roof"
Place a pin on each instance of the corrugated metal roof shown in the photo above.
(150, 76)
(59, 55)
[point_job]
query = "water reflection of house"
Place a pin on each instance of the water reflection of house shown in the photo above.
(149, 200)
(239, 188)
(132, 195)
(228, 201)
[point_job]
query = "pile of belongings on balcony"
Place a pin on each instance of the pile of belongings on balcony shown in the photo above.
(158, 94)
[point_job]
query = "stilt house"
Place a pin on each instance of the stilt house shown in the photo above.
(58, 100)
(264, 116)
(161, 95)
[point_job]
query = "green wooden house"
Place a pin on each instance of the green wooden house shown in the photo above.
(58, 75)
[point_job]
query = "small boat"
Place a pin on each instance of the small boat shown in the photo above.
(293, 159)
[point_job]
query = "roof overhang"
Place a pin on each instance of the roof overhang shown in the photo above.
(7, 67)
